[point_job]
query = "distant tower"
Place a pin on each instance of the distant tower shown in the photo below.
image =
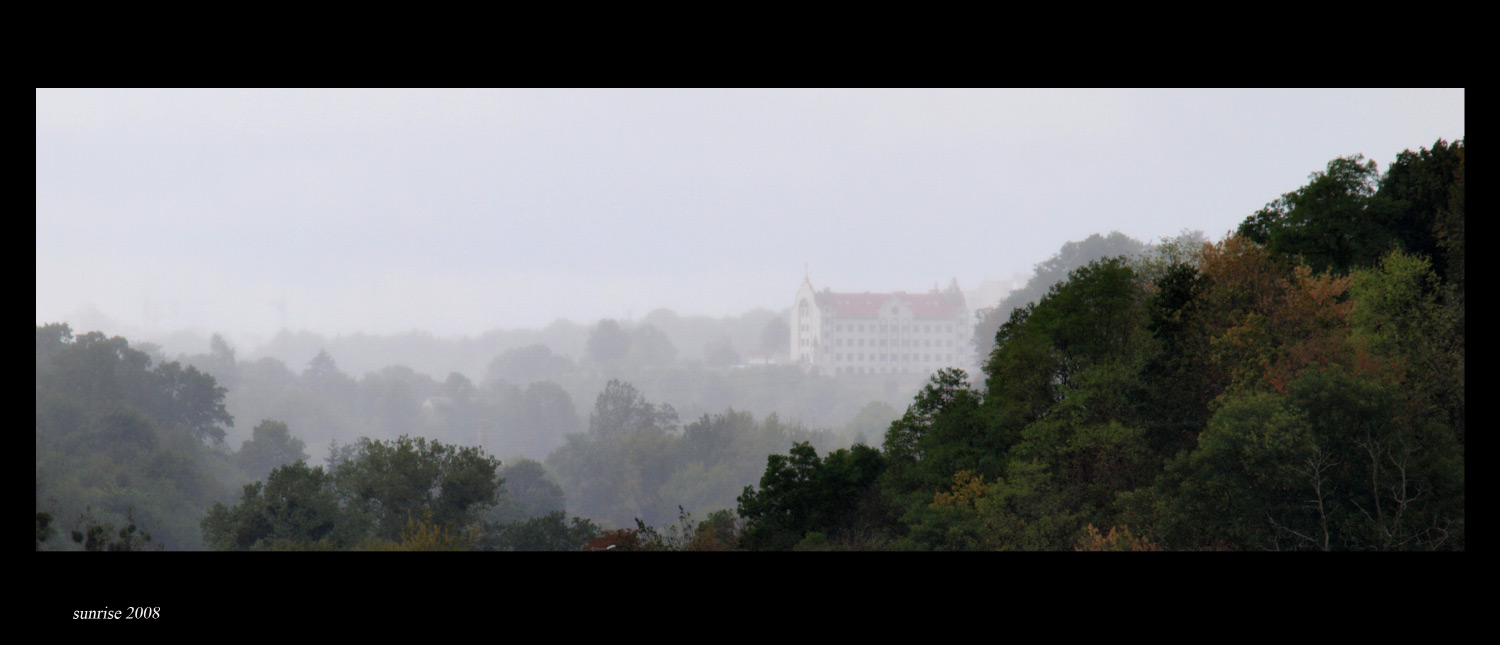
(804, 322)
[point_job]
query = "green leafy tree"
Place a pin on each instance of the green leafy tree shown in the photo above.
(369, 497)
(1449, 228)
(1245, 477)
(1049, 273)
(1186, 248)
(720, 532)
(1081, 343)
(193, 400)
(1398, 471)
(529, 492)
(533, 421)
(550, 532)
(322, 367)
(95, 535)
(1334, 223)
(608, 342)
(271, 445)
(951, 522)
(44, 528)
(615, 471)
(117, 435)
(621, 409)
(1057, 432)
(426, 535)
(801, 494)
(392, 480)
(1172, 402)
(295, 506)
(941, 434)
(392, 399)
(1337, 463)
(532, 363)
(648, 346)
(1423, 187)
(720, 352)
(1403, 315)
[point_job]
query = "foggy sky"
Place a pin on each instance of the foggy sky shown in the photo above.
(463, 211)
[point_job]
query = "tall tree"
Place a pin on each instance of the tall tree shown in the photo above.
(648, 346)
(271, 445)
(522, 365)
(1421, 185)
(1049, 273)
(1334, 223)
(801, 494)
(296, 507)
(608, 342)
(392, 480)
(193, 400)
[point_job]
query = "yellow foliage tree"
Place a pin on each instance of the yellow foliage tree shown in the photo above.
(426, 535)
(1118, 539)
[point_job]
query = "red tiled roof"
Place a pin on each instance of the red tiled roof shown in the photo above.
(867, 305)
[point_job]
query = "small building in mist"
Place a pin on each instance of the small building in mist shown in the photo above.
(879, 333)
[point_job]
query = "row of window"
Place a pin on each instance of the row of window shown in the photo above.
(860, 342)
(905, 329)
(885, 358)
(871, 370)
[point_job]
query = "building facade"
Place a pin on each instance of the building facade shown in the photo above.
(879, 333)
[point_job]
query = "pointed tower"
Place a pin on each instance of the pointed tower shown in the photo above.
(954, 294)
(805, 322)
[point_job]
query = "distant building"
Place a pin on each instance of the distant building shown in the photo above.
(879, 333)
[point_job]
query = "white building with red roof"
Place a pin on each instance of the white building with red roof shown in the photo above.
(879, 333)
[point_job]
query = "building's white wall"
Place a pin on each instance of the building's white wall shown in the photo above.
(894, 341)
(804, 323)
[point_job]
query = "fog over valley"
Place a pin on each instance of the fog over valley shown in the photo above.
(643, 319)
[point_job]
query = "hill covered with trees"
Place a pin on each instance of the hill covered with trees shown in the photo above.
(1296, 385)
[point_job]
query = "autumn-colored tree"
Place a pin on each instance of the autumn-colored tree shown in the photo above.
(616, 540)
(951, 522)
(1119, 538)
(426, 535)
(1244, 285)
(720, 532)
(1309, 327)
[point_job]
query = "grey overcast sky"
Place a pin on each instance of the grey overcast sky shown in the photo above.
(457, 211)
